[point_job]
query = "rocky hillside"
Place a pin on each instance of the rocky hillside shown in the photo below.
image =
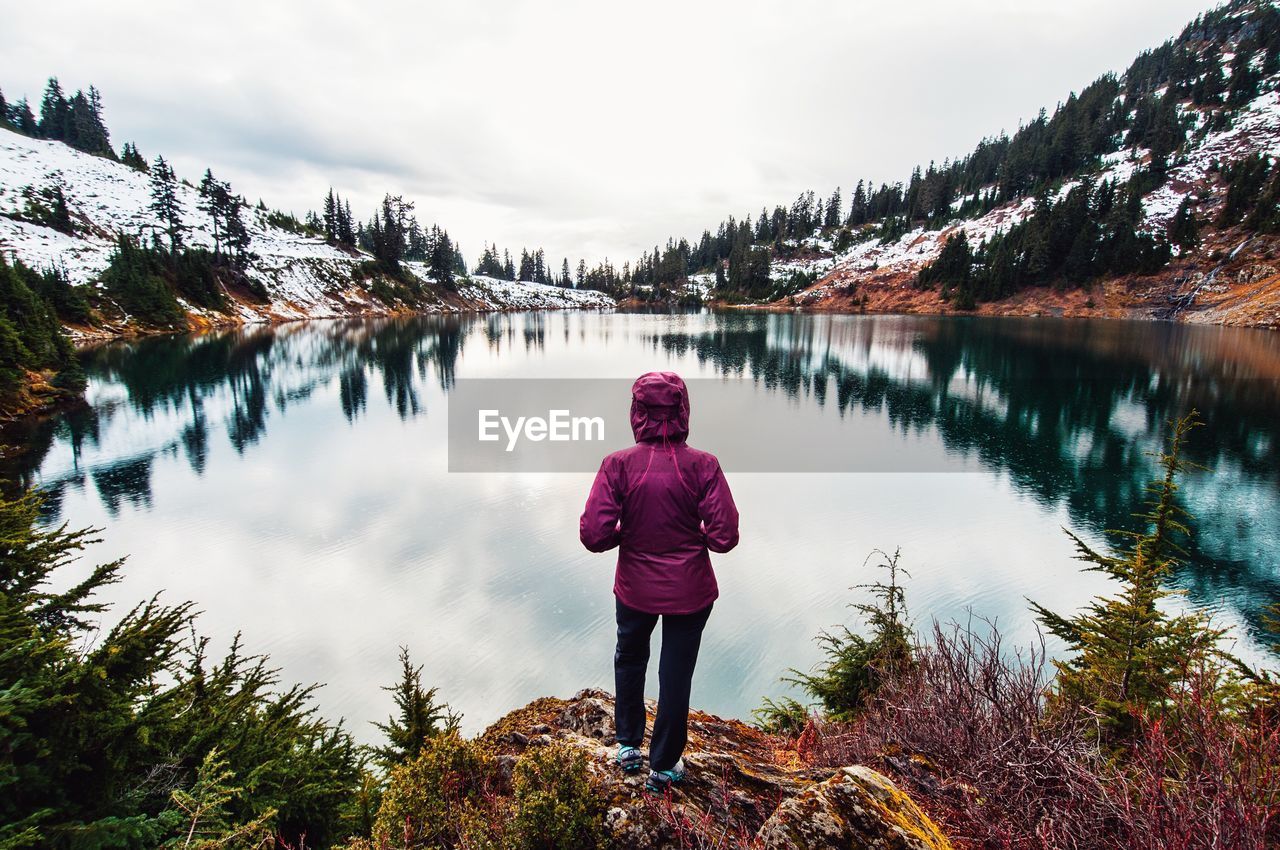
(743, 788)
(1232, 276)
(303, 276)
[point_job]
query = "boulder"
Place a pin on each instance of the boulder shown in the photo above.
(856, 808)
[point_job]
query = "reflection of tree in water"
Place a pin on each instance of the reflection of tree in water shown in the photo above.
(353, 391)
(127, 481)
(1068, 410)
(504, 330)
(237, 378)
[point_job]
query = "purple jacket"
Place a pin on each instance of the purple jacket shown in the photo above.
(663, 504)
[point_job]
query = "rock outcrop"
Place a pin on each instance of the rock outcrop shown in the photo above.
(742, 785)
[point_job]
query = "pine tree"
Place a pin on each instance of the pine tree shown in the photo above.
(86, 130)
(60, 213)
(130, 156)
(54, 112)
(346, 232)
(833, 210)
(1128, 655)
(856, 666)
(1184, 229)
(387, 235)
(238, 238)
(23, 119)
(441, 260)
(90, 710)
(330, 217)
(418, 718)
(164, 202)
(566, 278)
(214, 200)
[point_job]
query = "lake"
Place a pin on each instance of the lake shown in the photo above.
(294, 482)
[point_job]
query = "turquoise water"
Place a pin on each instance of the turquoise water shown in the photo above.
(293, 482)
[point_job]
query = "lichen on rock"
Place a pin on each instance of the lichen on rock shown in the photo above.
(743, 785)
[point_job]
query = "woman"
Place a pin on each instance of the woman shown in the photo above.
(664, 505)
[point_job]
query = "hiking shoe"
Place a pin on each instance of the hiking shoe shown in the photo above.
(629, 759)
(661, 780)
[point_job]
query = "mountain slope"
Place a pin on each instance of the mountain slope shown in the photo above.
(1232, 277)
(1185, 121)
(1149, 193)
(304, 277)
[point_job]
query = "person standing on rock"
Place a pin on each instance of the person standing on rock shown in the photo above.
(664, 505)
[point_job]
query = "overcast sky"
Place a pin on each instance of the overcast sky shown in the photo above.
(591, 128)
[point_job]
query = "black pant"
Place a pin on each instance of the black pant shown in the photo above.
(681, 636)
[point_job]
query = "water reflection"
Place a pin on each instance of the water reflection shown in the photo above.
(258, 472)
(1071, 411)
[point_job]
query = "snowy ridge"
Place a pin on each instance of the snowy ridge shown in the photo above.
(305, 277)
(1255, 129)
(498, 294)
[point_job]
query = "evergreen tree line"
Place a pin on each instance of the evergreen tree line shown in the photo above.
(132, 736)
(393, 236)
(1089, 232)
(1253, 194)
(224, 209)
(145, 278)
(145, 281)
(336, 223)
(533, 267)
(33, 306)
(76, 119)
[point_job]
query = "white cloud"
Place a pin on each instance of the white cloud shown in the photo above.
(589, 128)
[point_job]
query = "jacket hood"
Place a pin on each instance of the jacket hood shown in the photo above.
(659, 408)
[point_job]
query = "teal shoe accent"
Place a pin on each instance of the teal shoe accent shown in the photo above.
(661, 780)
(629, 759)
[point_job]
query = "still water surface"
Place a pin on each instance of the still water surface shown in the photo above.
(293, 482)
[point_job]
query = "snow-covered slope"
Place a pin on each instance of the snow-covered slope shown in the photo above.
(1255, 129)
(305, 277)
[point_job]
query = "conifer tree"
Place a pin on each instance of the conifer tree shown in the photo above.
(214, 199)
(106, 729)
(418, 717)
(164, 202)
(1128, 654)
(856, 666)
(23, 119)
(53, 112)
(1184, 229)
(130, 156)
(833, 210)
(237, 234)
(441, 261)
(85, 128)
(60, 213)
(330, 217)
